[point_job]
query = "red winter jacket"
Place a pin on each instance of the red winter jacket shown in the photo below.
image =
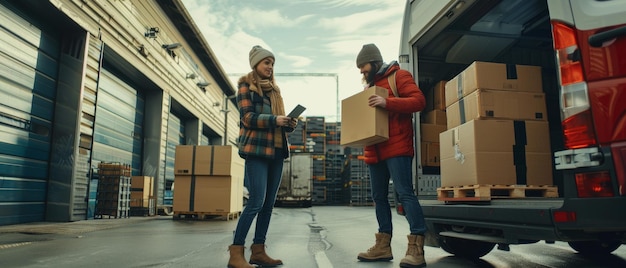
(400, 111)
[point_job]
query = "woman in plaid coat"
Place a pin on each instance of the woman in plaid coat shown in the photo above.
(262, 142)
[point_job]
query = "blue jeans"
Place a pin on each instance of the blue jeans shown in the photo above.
(262, 178)
(400, 169)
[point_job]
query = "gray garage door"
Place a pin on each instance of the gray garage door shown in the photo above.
(118, 136)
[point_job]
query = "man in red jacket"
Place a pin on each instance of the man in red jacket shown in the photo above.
(393, 158)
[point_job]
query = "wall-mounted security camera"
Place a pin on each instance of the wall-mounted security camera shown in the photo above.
(172, 46)
(191, 76)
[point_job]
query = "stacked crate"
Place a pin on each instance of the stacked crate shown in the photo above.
(497, 128)
(315, 135)
(316, 145)
(334, 155)
(360, 183)
(333, 137)
(297, 138)
(335, 162)
(113, 195)
(142, 202)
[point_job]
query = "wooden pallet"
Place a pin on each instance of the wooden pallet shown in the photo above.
(487, 192)
(195, 215)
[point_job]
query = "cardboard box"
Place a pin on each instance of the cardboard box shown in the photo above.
(430, 132)
(437, 117)
(136, 200)
(498, 104)
(362, 125)
(141, 190)
(211, 160)
(145, 184)
(435, 97)
(501, 152)
(491, 75)
(208, 194)
(430, 154)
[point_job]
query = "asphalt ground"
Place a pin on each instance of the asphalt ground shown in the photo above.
(23, 234)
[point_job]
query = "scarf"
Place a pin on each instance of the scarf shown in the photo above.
(265, 87)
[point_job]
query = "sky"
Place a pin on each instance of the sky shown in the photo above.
(318, 40)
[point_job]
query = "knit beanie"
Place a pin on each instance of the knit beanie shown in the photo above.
(257, 54)
(368, 53)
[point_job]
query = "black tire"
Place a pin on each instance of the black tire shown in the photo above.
(595, 247)
(468, 249)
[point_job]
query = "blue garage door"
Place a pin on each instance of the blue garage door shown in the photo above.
(28, 73)
(175, 137)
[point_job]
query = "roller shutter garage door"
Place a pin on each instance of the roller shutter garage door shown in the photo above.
(28, 73)
(118, 136)
(175, 137)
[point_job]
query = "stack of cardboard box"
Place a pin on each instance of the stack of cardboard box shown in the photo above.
(497, 129)
(433, 123)
(142, 201)
(113, 194)
(208, 179)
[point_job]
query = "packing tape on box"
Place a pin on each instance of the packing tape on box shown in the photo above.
(192, 194)
(459, 91)
(511, 71)
(519, 152)
(458, 155)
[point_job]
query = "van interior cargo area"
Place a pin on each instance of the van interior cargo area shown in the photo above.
(505, 31)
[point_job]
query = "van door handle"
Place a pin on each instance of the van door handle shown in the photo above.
(598, 39)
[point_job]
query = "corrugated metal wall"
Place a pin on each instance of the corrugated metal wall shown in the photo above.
(62, 111)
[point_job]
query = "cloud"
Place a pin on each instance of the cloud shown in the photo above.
(313, 36)
(296, 61)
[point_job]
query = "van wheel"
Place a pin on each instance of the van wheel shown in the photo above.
(595, 247)
(468, 249)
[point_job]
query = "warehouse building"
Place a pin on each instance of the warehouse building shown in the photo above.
(90, 82)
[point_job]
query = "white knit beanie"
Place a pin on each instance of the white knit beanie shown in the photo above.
(257, 54)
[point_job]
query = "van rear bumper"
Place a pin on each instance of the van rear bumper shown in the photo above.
(527, 221)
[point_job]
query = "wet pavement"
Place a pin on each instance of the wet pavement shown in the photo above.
(27, 233)
(318, 237)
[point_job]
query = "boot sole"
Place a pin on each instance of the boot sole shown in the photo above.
(406, 265)
(374, 260)
(257, 264)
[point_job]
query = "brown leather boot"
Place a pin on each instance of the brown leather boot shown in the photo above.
(414, 253)
(381, 251)
(260, 258)
(237, 259)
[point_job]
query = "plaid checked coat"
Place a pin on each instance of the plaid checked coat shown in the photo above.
(257, 125)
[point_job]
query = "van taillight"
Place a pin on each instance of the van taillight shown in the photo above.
(568, 54)
(595, 184)
(578, 131)
(577, 120)
(564, 216)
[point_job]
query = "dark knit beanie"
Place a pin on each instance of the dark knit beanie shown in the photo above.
(368, 53)
(257, 54)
